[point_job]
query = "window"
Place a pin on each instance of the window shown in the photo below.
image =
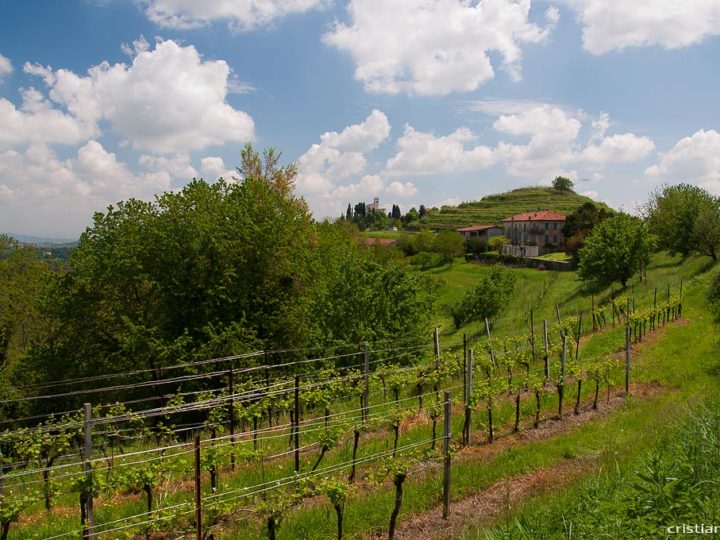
(555, 225)
(547, 237)
(547, 225)
(555, 238)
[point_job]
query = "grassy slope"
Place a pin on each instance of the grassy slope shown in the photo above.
(493, 208)
(633, 429)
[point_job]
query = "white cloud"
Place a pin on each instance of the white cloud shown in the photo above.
(590, 193)
(168, 100)
(618, 149)
(240, 14)
(213, 167)
(177, 166)
(6, 67)
(399, 189)
(340, 155)
(694, 159)
(38, 122)
(438, 47)
(618, 24)
(45, 193)
(552, 132)
(424, 153)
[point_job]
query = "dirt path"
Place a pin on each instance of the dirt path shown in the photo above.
(487, 505)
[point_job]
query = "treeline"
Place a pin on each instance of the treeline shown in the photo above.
(367, 218)
(208, 271)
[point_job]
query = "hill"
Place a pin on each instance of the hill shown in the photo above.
(493, 208)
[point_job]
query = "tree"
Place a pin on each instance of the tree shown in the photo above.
(706, 228)
(671, 215)
(562, 184)
(424, 241)
(348, 212)
(422, 212)
(396, 213)
(498, 243)
(580, 223)
(615, 250)
(486, 299)
(449, 244)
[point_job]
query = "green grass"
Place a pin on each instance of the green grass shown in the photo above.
(560, 256)
(395, 235)
(669, 361)
(493, 208)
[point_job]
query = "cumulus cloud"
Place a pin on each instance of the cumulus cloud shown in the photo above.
(400, 189)
(37, 121)
(544, 140)
(213, 167)
(422, 153)
(177, 166)
(6, 67)
(618, 149)
(694, 159)
(168, 100)
(61, 195)
(340, 155)
(240, 14)
(435, 48)
(610, 25)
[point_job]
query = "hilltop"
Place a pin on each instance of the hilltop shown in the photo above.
(492, 208)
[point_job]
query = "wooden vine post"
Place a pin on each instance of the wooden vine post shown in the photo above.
(532, 335)
(366, 389)
(297, 424)
(546, 347)
(436, 343)
(561, 385)
(87, 495)
(446, 455)
(487, 333)
(467, 391)
(627, 361)
(231, 390)
(198, 491)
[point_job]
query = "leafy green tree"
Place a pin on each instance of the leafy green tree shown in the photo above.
(671, 214)
(486, 299)
(706, 228)
(562, 184)
(411, 216)
(498, 243)
(449, 244)
(424, 241)
(348, 212)
(616, 249)
(580, 223)
(422, 212)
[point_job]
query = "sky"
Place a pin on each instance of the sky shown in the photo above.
(413, 101)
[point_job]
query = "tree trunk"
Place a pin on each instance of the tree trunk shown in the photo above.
(399, 479)
(537, 409)
(577, 400)
(5, 530)
(517, 413)
(271, 528)
(597, 391)
(46, 489)
(319, 459)
(434, 432)
(354, 455)
(339, 511)
(147, 488)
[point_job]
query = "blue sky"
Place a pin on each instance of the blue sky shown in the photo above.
(414, 101)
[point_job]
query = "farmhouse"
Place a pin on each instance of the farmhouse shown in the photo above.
(484, 232)
(534, 233)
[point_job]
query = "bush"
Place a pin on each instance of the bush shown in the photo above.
(487, 298)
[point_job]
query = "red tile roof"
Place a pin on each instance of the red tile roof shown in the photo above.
(471, 228)
(542, 215)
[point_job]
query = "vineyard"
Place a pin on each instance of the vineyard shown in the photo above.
(207, 448)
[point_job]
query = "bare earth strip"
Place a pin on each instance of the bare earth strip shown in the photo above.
(491, 503)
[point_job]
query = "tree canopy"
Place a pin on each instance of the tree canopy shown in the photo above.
(561, 184)
(685, 219)
(616, 250)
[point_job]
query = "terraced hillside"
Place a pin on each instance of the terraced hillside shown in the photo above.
(493, 208)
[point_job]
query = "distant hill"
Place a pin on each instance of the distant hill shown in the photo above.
(41, 241)
(493, 208)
